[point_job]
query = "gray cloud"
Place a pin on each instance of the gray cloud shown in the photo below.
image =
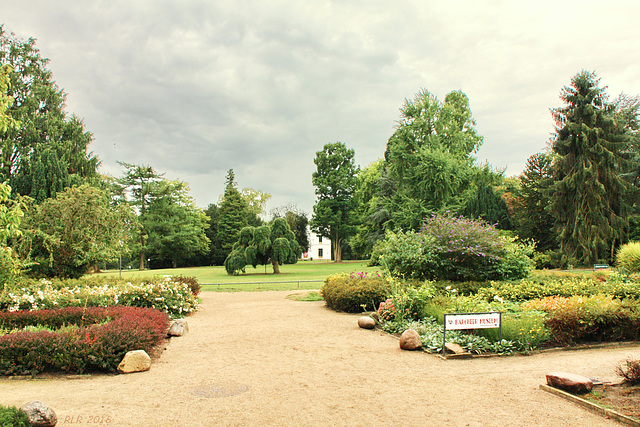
(194, 88)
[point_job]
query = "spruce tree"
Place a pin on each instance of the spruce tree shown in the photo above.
(234, 212)
(588, 194)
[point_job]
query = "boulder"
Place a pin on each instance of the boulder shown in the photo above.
(135, 361)
(410, 340)
(570, 382)
(366, 322)
(40, 414)
(178, 328)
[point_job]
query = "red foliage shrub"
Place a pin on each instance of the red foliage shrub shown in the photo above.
(89, 346)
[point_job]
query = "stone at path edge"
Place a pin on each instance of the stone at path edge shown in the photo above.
(366, 322)
(40, 414)
(572, 383)
(410, 340)
(135, 361)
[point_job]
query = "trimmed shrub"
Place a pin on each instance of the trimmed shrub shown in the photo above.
(408, 255)
(354, 293)
(10, 416)
(92, 338)
(628, 258)
(526, 289)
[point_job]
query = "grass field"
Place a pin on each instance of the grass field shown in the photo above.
(303, 275)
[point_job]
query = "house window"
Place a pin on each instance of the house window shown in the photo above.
(320, 253)
(319, 239)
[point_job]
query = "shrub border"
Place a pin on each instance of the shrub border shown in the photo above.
(92, 346)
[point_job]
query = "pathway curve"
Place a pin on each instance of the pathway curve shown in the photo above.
(259, 359)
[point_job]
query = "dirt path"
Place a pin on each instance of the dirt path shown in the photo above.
(256, 359)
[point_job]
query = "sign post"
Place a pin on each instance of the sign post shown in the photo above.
(458, 321)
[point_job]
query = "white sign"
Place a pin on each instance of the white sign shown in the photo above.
(472, 321)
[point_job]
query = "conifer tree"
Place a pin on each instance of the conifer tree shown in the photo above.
(233, 212)
(588, 194)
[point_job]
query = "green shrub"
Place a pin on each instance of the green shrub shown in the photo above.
(98, 340)
(628, 258)
(595, 318)
(408, 302)
(455, 249)
(528, 289)
(354, 293)
(10, 416)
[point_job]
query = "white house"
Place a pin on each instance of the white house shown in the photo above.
(319, 248)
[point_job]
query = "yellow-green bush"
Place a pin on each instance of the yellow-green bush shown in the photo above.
(355, 293)
(628, 258)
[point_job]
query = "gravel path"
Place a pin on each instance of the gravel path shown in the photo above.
(259, 359)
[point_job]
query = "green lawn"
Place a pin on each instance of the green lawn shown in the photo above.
(303, 275)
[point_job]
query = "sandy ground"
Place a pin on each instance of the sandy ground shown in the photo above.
(259, 359)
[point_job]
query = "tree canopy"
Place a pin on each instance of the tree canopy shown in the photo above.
(274, 244)
(335, 180)
(588, 194)
(45, 151)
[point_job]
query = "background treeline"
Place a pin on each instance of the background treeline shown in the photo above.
(576, 201)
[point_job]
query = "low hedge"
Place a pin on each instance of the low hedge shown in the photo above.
(83, 344)
(354, 293)
(525, 289)
(174, 296)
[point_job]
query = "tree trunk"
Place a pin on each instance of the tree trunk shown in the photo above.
(141, 261)
(276, 267)
(337, 248)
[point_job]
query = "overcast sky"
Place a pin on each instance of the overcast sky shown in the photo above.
(194, 88)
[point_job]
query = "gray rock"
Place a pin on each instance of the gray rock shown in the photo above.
(178, 328)
(572, 383)
(410, 340)
(40, 414)
(135, 361)
(366, 322)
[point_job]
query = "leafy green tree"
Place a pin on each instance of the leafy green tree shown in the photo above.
(256, 202)
(274, 244)
(372, 215)
(298, 223)
(6, 121)
(175, 226)
(335, 181)
(588, 194)
(428, 158)
(234, 212)
(76, 229)
(44, 128)
(532, 208)
(138, 186)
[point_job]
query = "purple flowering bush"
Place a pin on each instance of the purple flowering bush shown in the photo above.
(457, 249)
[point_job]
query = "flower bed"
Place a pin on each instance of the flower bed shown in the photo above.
(87, 339)
(171, 295)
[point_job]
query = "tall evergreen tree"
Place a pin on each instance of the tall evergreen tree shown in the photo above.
(234, 212)
(489, 206)
(533, 213)
(588, 194)
(44, 128)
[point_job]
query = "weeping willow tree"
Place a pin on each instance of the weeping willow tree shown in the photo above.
(588, 194)
(273, 244)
